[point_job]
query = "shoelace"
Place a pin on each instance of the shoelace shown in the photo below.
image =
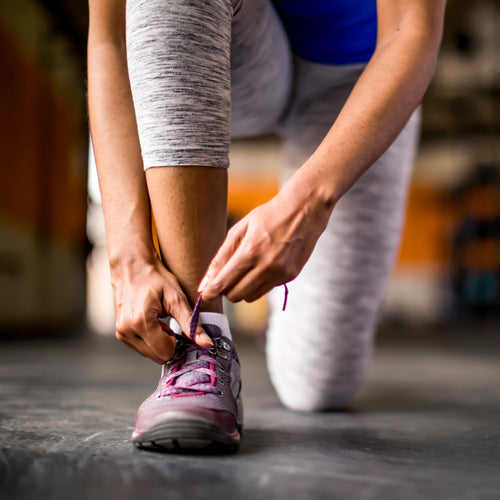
(193, 325)
(205, 363)
(203, 366)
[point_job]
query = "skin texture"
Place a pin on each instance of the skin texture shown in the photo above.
(190, 221)
(270, 245)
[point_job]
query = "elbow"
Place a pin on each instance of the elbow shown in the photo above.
(419, 29)
(413, 46)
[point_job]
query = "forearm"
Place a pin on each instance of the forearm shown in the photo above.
(385, 96)
(117, 150)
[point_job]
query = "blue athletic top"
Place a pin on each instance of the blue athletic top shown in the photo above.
(330, 31)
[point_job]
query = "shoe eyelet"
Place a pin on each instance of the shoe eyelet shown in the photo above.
(221, 393)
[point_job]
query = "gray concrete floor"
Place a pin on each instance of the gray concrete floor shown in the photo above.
(425, 425)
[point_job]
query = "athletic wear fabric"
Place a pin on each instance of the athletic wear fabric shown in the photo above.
(319, 348)
(189, 61)
(331, 31)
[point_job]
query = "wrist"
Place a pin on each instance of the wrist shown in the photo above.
(122, 261)
(311, 185)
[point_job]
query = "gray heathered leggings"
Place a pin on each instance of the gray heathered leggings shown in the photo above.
(203, 70)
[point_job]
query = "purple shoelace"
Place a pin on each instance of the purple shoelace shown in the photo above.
(191, 378)
(202, 369)
(195, 317)
(285, 300)
(192, 371)
(193, 325)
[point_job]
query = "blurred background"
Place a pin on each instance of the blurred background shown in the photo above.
(54, 276)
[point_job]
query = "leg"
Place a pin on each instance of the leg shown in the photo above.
(190, 221)
(318, 349)
(180, 60)
(178, 55)
(187, 59)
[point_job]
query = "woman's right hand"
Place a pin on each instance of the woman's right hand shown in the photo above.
(145, 291)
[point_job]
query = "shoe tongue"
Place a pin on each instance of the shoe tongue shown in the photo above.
(213, 331)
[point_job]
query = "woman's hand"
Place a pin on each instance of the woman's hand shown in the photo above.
(144, 292)
(269, 246)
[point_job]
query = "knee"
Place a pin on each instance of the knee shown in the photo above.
(310, 397)
(316, 383)
(317, 361)
(317, 380)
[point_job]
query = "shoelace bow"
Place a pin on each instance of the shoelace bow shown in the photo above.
(205, 363)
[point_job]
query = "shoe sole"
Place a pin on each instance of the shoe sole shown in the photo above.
(184, 434)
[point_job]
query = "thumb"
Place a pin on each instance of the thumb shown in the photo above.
(181, 311)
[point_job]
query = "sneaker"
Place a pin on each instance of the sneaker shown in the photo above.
(197, 403)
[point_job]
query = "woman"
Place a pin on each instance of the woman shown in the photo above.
(170, 81)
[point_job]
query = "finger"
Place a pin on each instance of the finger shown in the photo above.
(178, 307)
(141, 348)
(159, 341)
(252, 286)
(259, 292)
(145, 351)
(239, 265)
(225, 252)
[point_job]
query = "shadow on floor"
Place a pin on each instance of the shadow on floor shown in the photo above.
(432, 431)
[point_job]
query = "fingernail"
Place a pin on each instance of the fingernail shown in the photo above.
(203, 337)
(203, 284)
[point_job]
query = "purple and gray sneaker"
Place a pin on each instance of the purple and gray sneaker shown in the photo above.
(197, 403)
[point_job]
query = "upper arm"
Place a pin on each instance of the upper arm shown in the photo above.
(423, 18)
(107, 20)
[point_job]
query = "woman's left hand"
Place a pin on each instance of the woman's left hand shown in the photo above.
(269, 246)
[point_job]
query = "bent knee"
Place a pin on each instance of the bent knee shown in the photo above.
(335, 394)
